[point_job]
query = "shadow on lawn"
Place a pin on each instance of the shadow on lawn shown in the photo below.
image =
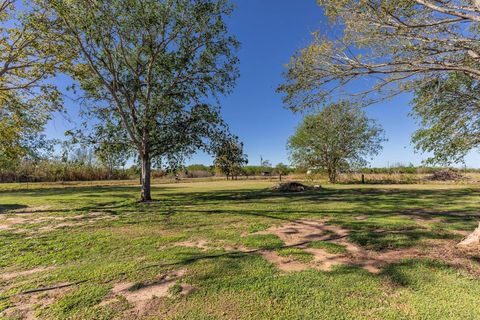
(399, 272)
(4, 208)
(392, 219)
(378, 206)
(365, 196)
(411, 202)
(83, 191)
(414, 202)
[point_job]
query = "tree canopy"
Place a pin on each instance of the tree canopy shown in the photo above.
(29, 56)
(394, 43)
(448, 109)
(156, 64)
(339, 137)
(387, 47)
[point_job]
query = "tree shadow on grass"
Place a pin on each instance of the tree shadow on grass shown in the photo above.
(389, 240)
(5, 208)
(75, 190)
(365, 196)
(412, 202)
(398, 272)
(393, 218)
(83, 190)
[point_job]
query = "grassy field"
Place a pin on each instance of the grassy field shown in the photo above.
(236, 250)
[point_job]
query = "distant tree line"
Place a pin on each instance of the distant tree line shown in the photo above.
(74, 161)
(84, 164)
(201, 171)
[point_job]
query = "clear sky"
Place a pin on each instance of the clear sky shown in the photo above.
(270, 32)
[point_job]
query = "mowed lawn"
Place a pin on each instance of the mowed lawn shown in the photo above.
(237, 250)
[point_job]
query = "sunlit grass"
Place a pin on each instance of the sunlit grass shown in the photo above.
(101, 234)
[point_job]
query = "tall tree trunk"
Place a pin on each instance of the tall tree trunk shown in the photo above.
(109, 172)
(145, 179)
(332, 175)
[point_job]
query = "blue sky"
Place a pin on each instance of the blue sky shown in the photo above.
(270, 32)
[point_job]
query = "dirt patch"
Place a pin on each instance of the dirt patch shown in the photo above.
(26, 306)
(23, 310)
(374, 261)
(229, 247)
(423, 220)
(5, 276)
(301, 233)
(466, 258)
(140, 294)
(284, 263)
(322, 260)
(59, 226)
(200, 244)
(11, 222)
(361, 218)
(29, 210)
(206, 245)
(186, 289)
(55, 222)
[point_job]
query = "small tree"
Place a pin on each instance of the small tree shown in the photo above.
(230, 158)
(112, 155)
(281, 169)
(339, 137)
(110, 141)
(266, 163)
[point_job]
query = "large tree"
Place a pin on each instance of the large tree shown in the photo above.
(157, 63)
(28, 57)
(389, 45)
(339, 137)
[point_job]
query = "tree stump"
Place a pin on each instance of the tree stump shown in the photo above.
(472, 239)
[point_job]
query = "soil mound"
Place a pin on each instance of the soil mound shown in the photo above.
(291, 186)
(446, 175)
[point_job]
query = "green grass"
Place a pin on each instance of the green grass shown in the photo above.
(262, 241)
(127, 241)
(328, 246)
(77, 302)
(176, 289)
(295, 253)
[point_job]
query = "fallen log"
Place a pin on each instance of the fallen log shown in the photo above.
(472, 239)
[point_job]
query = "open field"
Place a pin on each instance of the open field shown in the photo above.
(236, 250)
